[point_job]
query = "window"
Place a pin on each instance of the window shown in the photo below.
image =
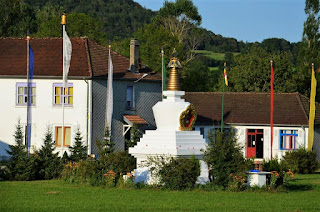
(288, 139)
(67, 136)
(130, 97)
(59, 96)
(202, 131)
(22, 93)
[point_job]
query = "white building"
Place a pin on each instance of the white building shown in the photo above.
(85, 103)
(249, 115)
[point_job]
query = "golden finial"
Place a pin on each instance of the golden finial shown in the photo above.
(174, 64)
(63, 19)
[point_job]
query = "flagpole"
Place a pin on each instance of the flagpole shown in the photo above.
(225, 64)
(28, 96)
(162, 71)
(63, 22)
(271, 104)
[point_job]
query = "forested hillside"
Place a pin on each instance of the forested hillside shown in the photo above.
(120, 18)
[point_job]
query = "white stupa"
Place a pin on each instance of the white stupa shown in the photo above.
(174, 136)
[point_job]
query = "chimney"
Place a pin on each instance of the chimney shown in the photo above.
(134, 55)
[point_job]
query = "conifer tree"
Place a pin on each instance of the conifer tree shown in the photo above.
(135, 136)
(50, 165)
(105, 146)
(78, 151)
(19, 165)
(65, 157)
(224, 156)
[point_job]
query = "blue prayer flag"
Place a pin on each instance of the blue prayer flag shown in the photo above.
(31, 62)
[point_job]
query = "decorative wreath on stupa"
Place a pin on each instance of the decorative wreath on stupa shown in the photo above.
(188, 118)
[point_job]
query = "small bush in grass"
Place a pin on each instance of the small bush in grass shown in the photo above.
(175, 173)
(110, 179)
(300, 161)
(126, 181)
(273, 165)
(120, 162)
(237, 182)
(280, 175)
(98, 172)
(84, 172)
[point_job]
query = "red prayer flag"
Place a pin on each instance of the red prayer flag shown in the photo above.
(271, 105)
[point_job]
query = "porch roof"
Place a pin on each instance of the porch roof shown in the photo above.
(134, 119)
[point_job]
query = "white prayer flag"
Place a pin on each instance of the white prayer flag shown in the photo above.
(109, 108)
(67, 50)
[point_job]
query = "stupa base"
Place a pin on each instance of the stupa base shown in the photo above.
(167, 144)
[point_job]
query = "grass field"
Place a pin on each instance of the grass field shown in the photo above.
(55, 195)
(210, 54)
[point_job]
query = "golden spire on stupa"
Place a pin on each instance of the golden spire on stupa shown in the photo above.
(174, 64)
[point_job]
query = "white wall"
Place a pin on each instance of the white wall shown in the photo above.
(44, 113)
(241, 134)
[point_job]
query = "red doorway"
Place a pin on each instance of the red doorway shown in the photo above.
(254, 143)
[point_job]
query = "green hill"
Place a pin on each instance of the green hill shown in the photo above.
(120, 18)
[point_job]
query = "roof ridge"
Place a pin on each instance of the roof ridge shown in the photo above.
(300, 104)
(87, 48)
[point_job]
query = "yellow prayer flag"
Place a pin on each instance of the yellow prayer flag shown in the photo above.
(312, 109)
(225, 75)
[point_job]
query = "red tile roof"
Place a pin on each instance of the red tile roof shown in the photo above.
(251, 108)
(135, 119)
(88, 59)
(47, 57)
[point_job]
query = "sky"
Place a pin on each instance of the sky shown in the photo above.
(248, 20)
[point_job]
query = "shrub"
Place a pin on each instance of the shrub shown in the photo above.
(273, 165)
(105, 172)
(237, 182)
(176, 173)
(127, 181)
(224, 156)
(120, 162)
(86, 171)
(300, 161)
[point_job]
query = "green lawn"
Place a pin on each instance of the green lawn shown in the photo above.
(57, 195)
(214, 68)
(210, 54)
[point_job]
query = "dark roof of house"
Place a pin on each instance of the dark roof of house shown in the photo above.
(88, 59)
(251, 108)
